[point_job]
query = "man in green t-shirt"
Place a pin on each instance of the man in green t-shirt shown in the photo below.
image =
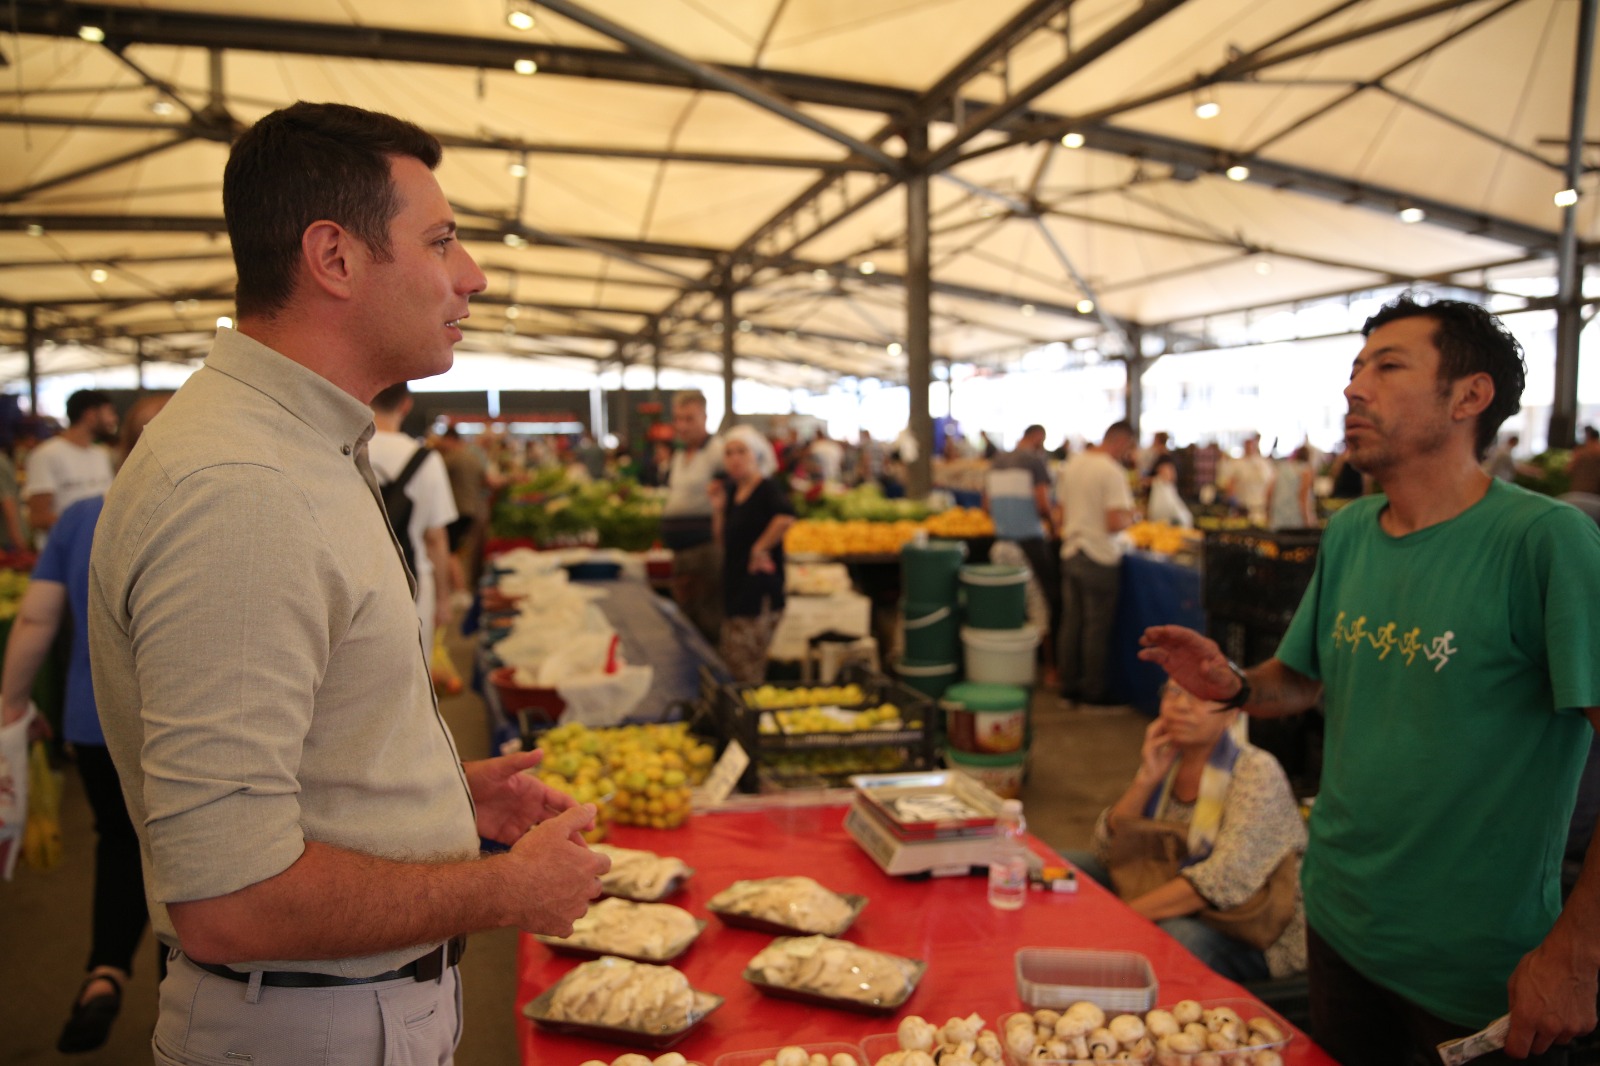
(1450, 630)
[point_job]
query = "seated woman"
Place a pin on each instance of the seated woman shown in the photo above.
(1242, 825)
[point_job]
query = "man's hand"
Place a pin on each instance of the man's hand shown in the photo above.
(1193, 661)
(554, 874)
(508, 800)
(1552, 995)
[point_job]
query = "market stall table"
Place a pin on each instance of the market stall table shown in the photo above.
(947, 922)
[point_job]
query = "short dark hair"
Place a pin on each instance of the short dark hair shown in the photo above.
(1031, 430)
(1590, 433)
(389, 400)
(82, 402)
(304, 163)
(1161, 461)
(1119, 429)
(1470, 341)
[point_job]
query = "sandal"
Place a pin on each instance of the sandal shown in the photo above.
(89, 1024)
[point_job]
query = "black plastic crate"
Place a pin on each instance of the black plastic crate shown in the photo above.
(772, 754)
(1257, 577)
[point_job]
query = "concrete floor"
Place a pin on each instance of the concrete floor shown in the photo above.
(1080, 763)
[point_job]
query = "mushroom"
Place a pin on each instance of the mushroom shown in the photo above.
(631, 1060)
(840, 1059)
(915, 1033)
(1058, 1049)
(989, 1045)
(1103, 1044)
(1264, 1031)
(789, 1056)
(1085, 1017)
(917, 1058)
(893, 1058)
(1208, 1058)
(961, 1030)
(1198, 1031)
(1267, 1058)
(1046, 1017)
(817, 1059)
(1021, 1040)
(1219, 1017)
(1184, 1043)
(1126, 1028)
(1142, 1048)
(1187, 1011)
(1222, 1040)
(1160, 1023)
(671, 1058)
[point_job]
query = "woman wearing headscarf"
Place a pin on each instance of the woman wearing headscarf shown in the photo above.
(750, 514)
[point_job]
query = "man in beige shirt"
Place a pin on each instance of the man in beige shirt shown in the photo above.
(310, 838)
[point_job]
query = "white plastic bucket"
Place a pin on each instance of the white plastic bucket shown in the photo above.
(1000, 656)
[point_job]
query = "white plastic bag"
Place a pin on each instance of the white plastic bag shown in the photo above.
(598, 700)
(13, 791)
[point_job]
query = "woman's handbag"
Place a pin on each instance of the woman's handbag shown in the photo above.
(1146, 854)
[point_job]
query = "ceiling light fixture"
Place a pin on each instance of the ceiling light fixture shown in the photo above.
(1263, 267)
(92, 34)
(513, 311)
(1205, 105)
(224, 322)
(1027, 310)
(1072, 139)
(868, 267)
(894, 348)
(519, 15)
(517, 170)
(1566, 197)
(98, 275)
(1238, 172)
(161, 106)
(1411, 215)
(1085, 306)
(525, 66)
(819, 274)
(33, 229)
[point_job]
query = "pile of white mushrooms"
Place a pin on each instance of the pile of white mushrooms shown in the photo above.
(958, 1042)
(1186, 1035)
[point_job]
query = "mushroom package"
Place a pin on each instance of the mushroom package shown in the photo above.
(792, 902)
(625, 995)
(835, 969)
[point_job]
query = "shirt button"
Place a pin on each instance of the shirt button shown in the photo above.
(346, 449)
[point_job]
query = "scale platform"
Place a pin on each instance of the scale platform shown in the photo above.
(939, 823)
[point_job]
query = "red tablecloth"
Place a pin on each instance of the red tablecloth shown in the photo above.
(947, 922)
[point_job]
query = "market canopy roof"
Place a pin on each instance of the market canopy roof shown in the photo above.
(667, 151)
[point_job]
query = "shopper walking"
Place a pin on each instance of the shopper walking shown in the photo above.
(1097, 504)
(1450, 632)
(74, 464)
(750, 514)
(431, 506)
(686, 517)
(1292, 505)
(1016, 493)
(60, 584)
(311, 840)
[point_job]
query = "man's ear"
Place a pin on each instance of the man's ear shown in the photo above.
(329, 255)
(1473, 394)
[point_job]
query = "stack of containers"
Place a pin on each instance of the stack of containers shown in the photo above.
(987, 729)
(929, 576)
(988, 716)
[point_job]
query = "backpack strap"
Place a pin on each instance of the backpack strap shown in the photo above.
(412, 466)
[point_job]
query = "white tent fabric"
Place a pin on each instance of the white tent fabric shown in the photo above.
(648, 182)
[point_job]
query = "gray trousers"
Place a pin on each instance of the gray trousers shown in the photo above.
(207, 1020)
(697, 587)
(1088, 609)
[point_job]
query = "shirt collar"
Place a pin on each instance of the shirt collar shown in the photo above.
(337, 416)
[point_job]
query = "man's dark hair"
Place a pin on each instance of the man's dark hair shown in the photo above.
(1119, 429)
(1470, 341)
(82, 402)
(1035, 428)
(389, 400)
(1165, 460)
(306, 163)
(1591, 434)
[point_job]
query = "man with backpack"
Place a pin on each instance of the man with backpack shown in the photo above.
(416, 493)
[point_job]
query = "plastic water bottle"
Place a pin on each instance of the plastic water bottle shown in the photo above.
(1008, 868)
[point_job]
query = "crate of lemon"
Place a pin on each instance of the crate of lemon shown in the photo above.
(1164, 538)
(636, 775)
(798, 735)
(830, 537)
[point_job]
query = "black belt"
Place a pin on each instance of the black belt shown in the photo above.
(429, 967)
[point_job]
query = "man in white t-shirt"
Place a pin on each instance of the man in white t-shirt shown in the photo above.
(686, 516)
(433, 505)
(73, 465)
(1247, 481)
(1096, 505)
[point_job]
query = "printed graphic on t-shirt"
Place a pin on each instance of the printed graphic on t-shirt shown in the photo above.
(1358, 636)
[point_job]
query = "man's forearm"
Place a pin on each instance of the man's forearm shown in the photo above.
(1277, 691)
(331, 903)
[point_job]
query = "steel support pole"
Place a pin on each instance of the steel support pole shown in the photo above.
(1569, 269)
(730, 327)
(30, 342)
(919, 356)
(1135, 364)
(138, 362)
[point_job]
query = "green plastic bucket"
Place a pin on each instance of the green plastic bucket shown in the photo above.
(929, 573)
(996, 596)
(986, 719)
(930, 679)
(932, 633)
(1000, 774)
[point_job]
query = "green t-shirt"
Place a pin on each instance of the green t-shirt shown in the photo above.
(1456, 662)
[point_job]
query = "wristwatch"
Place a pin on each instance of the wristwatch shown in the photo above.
(1241, 697)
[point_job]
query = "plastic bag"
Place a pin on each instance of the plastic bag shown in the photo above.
(446, 679)
(13, 792)
(41, 837)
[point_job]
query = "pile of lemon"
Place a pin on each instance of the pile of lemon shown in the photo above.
(829, 537)
(960, 522)
(638, 775)
(773, 697)
(1164, 538)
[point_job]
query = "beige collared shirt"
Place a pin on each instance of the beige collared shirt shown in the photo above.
(257, 662)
